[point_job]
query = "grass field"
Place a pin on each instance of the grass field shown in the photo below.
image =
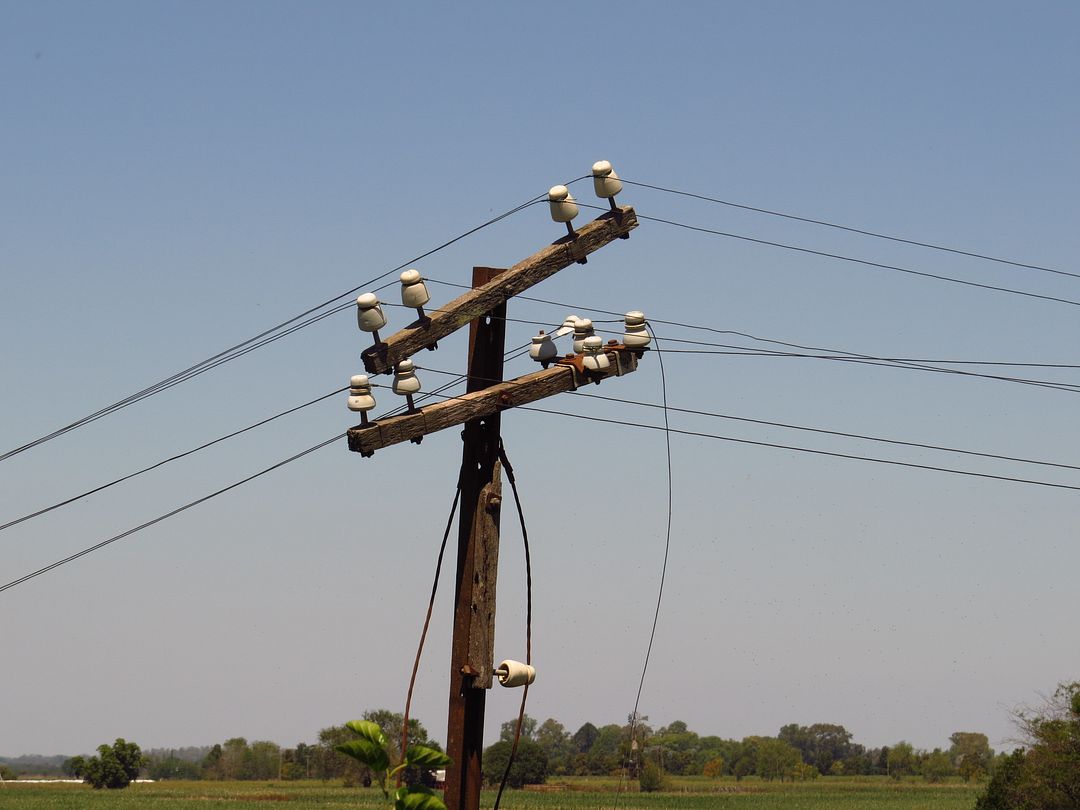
(822, 794)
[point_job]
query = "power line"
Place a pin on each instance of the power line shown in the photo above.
(860, 436)
(851, 259)
(850, 456)
(866, 359)
(163, 462)
(255, 342)
(167, 515)
(848, 228)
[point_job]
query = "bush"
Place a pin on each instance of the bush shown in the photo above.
(651, 778)
(530, 763)
(114, 767)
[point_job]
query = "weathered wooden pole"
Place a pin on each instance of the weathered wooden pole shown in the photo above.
(473, 649)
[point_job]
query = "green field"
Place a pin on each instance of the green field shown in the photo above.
(843, 794)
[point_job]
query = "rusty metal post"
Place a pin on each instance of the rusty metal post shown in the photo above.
(472, 653)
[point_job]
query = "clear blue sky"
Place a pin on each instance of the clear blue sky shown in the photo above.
(180, 176)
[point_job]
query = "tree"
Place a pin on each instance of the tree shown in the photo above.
(971, 754)
(530, 763)
(820, 745)
(651, 778)
(74, 767)
(114, 767)
(1047, 775)
(528, 728)
(776, 759)
(901, 759)
(553, 738)
(714, 768)
(937, 766)
(9, 775)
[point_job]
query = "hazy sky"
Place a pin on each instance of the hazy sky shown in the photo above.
(177, 177)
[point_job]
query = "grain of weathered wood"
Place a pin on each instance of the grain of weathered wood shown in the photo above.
(523, 275)
(485, 535)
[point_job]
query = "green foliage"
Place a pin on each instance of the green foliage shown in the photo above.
(530, 763)
(1047, 775)
(901, 759)
(651, 778)
(776, 759)
(371, 748)
(714, 768)
(7, 774)
(971, 753)
(937, 766)
(114, 767)
(75, 767)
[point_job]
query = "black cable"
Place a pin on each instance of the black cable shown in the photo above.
(807, 429)
(668, 408)
(850, 229)
(863, 262)
(266, 336)
(163, 462)
(667, 540)
(849, 456)
(427, 622)
(168, 515)
(528, 618)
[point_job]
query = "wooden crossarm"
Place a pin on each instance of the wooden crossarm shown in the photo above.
(609, 226)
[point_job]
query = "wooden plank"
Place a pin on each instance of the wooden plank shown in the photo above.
(485, 534)
(449, 318)
(478, 404)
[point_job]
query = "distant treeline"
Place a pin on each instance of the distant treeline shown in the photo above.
(796, 752)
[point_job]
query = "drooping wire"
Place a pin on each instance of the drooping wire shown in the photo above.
(167, 515)
(427, 623)
(849, 229)
(667, 540)
(163, 462)
(528, 619)
(257, 341)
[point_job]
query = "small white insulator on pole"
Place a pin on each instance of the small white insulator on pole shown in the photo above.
(636, 336)
(582, 329)
(515, 673)
(369, 315)
(543, 349)
(567, 326)
(563, 207)
(596, 358)
(406, 383)
(360, 398)
(606, 183)
(414, 293)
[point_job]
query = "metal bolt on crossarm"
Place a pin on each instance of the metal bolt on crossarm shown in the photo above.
(369, 315)
(360, 398)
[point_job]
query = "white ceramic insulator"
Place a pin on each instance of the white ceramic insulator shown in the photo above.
(360, 398)
(542, 349)
(405, 379)
(567, 326)
(582, 329)
(562, 204)
(515, 673)
(596, 358)
(369, 315)
(414, 293)
(605, 182)
(636, 336)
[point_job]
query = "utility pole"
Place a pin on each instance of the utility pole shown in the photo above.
(472, 662)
